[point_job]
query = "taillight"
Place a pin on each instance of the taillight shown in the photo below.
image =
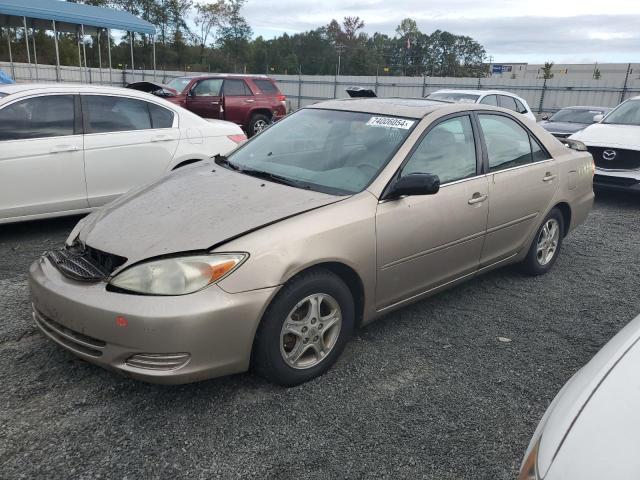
(281, 98)
(237, 138)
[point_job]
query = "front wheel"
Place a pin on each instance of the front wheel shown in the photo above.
(546, 245)
(257, 123)
(305, 329)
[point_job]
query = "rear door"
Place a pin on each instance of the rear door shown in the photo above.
(238, 100)
(41, 156)
(128, 142)
(205, 98)
(523, 179)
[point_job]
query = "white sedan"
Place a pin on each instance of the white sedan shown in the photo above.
(497, 98)
(68, 149)
(591, 430)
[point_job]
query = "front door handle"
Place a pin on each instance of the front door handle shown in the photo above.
(548, 177)
(215, 103)
(64, 148)
(249, 101)
(477, 198)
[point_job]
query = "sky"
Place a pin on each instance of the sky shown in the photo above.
(563, 31)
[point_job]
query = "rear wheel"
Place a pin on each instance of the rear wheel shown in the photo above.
(546, 245)
(305, 329)
(258, 122)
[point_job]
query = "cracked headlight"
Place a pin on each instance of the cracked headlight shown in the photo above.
(177, 275)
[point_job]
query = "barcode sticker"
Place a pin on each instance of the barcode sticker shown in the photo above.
(390, 122)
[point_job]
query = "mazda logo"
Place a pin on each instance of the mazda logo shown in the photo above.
(609, 154)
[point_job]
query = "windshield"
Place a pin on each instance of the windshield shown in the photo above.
(627, 113)
(330, 151)
(179, 84)
(574, 115)
(3, 94)
(454, 97)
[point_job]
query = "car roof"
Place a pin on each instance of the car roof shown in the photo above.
(402, 107)
(476, 92)
(67, 88)
(224, 75)
(585, 107)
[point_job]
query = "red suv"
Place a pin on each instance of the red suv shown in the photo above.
(251, 101)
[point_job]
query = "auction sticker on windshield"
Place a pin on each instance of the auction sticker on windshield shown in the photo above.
(390, 122)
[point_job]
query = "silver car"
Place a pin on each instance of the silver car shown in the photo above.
(333, 216)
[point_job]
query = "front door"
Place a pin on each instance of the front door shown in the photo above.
(41, 157)
(128, 142)
(426, 241)
(205, 98)
(522, 178)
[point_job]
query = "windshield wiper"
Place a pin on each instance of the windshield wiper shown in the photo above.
(225, 162)
(274, 178)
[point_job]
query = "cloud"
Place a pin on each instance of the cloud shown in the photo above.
(509, 30)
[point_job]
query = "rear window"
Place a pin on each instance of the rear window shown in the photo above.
(267, 87)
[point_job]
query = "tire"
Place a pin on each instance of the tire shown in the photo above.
(544, 250)
(258, 122)
(292, 311)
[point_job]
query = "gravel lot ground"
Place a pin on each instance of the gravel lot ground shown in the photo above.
(427, 392)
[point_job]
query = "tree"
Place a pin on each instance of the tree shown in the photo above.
(235, 32)
(208, 17)
(546, 70)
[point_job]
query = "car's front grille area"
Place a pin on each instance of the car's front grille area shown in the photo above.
(159, 361)
(615, 158)
(84, 263)
(71, 339)
(616, 181)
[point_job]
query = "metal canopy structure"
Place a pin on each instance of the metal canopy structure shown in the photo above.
(60, 16)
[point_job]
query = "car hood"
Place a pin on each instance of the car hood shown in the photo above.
(562, 127)
(194, 208)
(609, 135)
(570, 403)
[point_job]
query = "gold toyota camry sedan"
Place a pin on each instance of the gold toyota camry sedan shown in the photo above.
(270, 257)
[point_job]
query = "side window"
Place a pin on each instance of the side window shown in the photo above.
(160, 117)
(448, 150)
(38, 117)
(115, 114)
(508, 144)
(490, 100)
(521, 107)
(208, 88)
(537, 152)
(507, 102)
(266, 86)
(236, 88)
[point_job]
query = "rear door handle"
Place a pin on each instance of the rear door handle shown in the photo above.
(548, 177)
(161, 138)
(249, 101)
(64, 148)
(477, 198)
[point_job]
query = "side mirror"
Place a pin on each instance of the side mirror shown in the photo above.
(414, 184)
(192, 93)
(546, 117)
(598, 118)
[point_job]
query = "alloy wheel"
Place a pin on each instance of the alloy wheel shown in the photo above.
(310, 331)
(548, 239)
